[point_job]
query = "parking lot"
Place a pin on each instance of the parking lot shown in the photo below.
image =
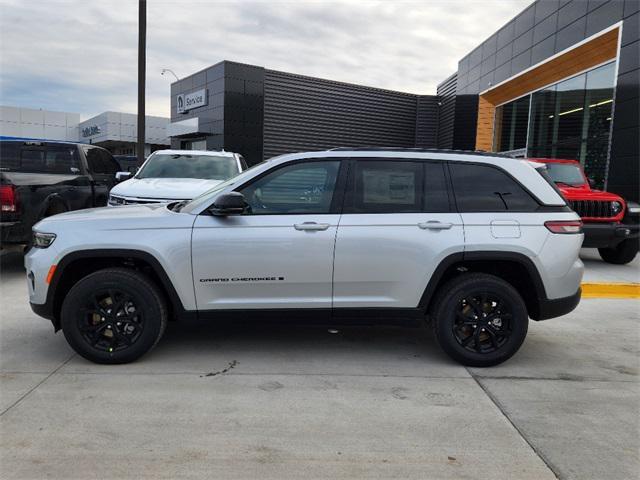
(287, 402)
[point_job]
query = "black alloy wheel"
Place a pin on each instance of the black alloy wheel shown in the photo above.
(483, 322)
(110, 321)
(114, 315)
(479, 319)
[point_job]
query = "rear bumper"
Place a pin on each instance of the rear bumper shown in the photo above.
(608, 235)
(558, 306)
(14, 233)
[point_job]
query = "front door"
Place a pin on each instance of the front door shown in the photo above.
(397, 225)
(279, 254)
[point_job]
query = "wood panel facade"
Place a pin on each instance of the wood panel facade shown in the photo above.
(588, 55)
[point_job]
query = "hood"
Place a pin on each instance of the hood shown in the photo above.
(128, 217)
(164, 188)
(584, 192)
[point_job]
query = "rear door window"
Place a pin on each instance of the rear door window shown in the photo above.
(398, 186)
(482, 188)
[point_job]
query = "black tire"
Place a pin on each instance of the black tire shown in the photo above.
(479, 320)
(120, 334)
(621, 254)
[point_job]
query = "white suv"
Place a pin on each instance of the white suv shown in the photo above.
(474, 243)
(176, 175)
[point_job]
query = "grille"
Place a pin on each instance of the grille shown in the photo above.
(592, 208)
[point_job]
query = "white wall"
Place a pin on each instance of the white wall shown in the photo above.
(39, 124)
(122, 127)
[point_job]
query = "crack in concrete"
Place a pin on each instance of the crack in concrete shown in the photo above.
(499, 406)
(37, 385)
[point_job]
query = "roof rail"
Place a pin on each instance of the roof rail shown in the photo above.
(420, 150)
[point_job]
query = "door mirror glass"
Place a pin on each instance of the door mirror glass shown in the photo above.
(231, 203)
(121, 176)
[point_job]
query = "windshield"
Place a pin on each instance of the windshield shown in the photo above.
(567, 173)
(185, 165)
(194, 203)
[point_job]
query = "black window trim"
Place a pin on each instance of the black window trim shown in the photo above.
(338, 192)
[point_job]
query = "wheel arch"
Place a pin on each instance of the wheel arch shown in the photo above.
(77, 265)
(514, 268)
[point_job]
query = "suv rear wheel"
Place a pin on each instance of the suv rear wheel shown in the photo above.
(479, 320)
(114, 316)
(622, 253)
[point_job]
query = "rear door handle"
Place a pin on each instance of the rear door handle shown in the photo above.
(435, 225)
(311, 226)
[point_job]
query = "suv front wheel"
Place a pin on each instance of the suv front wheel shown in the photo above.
(114, 316)
(479, 319)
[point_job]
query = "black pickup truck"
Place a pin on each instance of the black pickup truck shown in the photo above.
(40, 179)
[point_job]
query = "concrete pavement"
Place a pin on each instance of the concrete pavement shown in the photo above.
(364, 403)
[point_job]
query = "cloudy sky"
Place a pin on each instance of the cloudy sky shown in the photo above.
(80, 56)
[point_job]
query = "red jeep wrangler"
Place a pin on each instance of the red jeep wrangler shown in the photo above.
(610, 225)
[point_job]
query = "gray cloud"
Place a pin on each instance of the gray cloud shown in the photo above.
(81, 56)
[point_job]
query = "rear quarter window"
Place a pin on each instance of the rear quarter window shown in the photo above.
(483, 188)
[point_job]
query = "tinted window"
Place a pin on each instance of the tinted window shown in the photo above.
(54, 158)
(109, 164)
(62, 159)
(388, 186)
(481, 188)
(9, 155)
(95, 160)
(303, 188)
(397, 186)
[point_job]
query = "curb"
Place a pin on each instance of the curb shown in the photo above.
(611, 290)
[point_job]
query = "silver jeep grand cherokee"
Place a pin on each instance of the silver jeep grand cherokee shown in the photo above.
(474, 243)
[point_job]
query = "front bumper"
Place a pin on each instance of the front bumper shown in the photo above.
(608, 235)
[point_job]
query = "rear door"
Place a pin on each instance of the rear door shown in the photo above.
(397, 225)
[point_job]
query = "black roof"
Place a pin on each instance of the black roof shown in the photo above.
(418, 150)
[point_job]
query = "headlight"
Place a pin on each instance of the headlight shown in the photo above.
(43, 240)
(114, 200)
(616, 207)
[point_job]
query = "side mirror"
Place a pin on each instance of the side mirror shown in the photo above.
(592, 182)
(120, 176)
(231, 203)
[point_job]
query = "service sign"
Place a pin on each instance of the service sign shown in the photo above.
(189, 101)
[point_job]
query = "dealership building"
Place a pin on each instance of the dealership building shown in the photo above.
(115, 131)
(560, 80)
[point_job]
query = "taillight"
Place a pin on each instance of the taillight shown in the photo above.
(562, 226)
(8, 198)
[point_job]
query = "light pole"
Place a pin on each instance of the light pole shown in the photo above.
(165, 70)
(142, 60)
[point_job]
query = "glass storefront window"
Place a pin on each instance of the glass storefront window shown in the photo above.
(570, 119)
(511, 125)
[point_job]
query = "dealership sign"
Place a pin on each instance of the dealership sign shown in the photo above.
(90, 131)
(189, 101)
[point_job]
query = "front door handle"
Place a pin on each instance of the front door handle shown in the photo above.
(311, 226)
(435, 225)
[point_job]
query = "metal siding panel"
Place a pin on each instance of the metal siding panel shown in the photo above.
(306, 113)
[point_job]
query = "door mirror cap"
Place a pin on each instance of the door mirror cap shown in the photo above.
(231, 203)
(121, 176)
